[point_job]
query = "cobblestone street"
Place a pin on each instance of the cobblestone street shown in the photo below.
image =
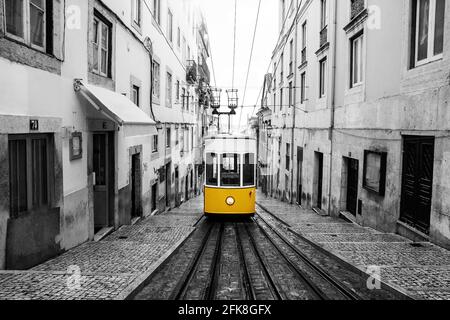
(420, 270)
(111, 268)
(115, 267)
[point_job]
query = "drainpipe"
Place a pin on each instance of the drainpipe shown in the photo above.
(294, 107)
(332, 102)
(149, 46)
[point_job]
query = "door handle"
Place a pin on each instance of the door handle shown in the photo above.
(94, 182)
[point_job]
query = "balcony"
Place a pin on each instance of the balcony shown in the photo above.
(204, 72)
(324, 36)
(357, 6)
(191, 72)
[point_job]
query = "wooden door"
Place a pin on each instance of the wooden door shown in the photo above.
(417, 182)
(101, 185)
(352, 185)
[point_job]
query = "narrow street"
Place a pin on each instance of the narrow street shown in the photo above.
(283, 253)
(225, 150)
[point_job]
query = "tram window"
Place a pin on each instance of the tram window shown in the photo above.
(230, 170)
(211, 169)
(249, 169)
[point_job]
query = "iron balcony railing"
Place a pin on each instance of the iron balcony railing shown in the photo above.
(356, 7)
(191, 72)
(324, 36)
(205, 75)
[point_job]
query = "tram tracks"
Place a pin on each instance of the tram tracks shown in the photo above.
(327, 287)
(254, 259)
(269, 268)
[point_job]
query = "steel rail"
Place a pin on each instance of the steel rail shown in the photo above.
(342, 288)
(301, 274)
(214, 274)
(182, 285)
(249, 288)
(277, 291)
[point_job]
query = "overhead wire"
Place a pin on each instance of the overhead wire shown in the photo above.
(250, 60)
(162, 33)
(278, 43)
(234, 45)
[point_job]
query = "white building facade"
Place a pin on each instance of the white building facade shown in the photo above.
(101, 107)
(359, 123)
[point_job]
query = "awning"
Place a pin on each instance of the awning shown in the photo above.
(171, 115)
(115, 106)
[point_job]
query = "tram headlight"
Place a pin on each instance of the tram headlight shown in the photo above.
(230, 201)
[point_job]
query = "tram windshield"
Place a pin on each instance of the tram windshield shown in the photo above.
(230, 170)
(249, 169)
(211, 169)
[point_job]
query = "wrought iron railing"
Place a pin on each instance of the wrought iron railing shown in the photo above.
(323, 36)
(191, 72)
(356, 7)
(205, 75)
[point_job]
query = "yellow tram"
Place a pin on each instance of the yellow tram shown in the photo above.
(230, 176)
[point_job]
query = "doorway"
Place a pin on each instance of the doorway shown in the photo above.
(154, 196)
(318, 179)
(299, 175)
(168, 184)
(177, 187)
(417, 182)
(103, 169)
(136, 186)
(352, 186)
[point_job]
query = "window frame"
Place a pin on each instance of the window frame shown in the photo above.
(169, 92)
(170, 25)
(358, 38)
(382, 171)
(155, 143)
(28, 138)
(168, 138)
(288, 156)
(101, 21)
(431, 56)
(177, 90)
(291, 94)
(322, 78)
(281, 99)
(26, 25)
(137, 13)
(157, 11)
(213, 165)
(291, 57)
(156, 79)
(253, 157)
(135, 92)
(236, 156)
(323, 14)
(303, 87)
(281, 67)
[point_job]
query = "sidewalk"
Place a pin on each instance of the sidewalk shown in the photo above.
(110, 269)
(420, 270)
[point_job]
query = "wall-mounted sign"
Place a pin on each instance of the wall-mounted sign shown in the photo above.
(34, 125)
(374, 178)
(76, 146)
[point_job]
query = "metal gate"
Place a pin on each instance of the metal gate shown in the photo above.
(417, 182)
